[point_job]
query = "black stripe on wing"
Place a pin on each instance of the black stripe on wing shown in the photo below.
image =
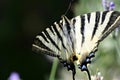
(82, 28)
(67, 29)
(103, 16)
(51, 29)
(52, 41)
(60, 25)
(88, 17)
(58, 34)
(39, 43)
(74, 21)
(44, 37)
(112, 19)
(96, 24)
(39, 49)
(66, 23)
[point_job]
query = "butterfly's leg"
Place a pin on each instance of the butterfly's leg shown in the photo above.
(70, 66)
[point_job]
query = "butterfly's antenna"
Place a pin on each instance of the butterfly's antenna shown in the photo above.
(88, 74)
(69, 6)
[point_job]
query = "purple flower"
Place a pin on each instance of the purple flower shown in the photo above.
(14, 76)
(105, 4)
(108, 5)
(112, 6)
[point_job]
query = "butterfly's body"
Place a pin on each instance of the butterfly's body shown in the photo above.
(75, 41)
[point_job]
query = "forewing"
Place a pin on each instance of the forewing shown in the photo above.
(56, 40)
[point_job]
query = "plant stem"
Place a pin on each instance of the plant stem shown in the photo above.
(53, 70)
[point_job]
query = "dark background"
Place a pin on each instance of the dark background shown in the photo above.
(20, 22)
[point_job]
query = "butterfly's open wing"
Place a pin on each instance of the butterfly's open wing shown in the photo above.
(92, 28)
(56, 41)
(76, 40)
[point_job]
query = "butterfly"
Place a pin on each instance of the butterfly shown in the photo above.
(75, 41)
